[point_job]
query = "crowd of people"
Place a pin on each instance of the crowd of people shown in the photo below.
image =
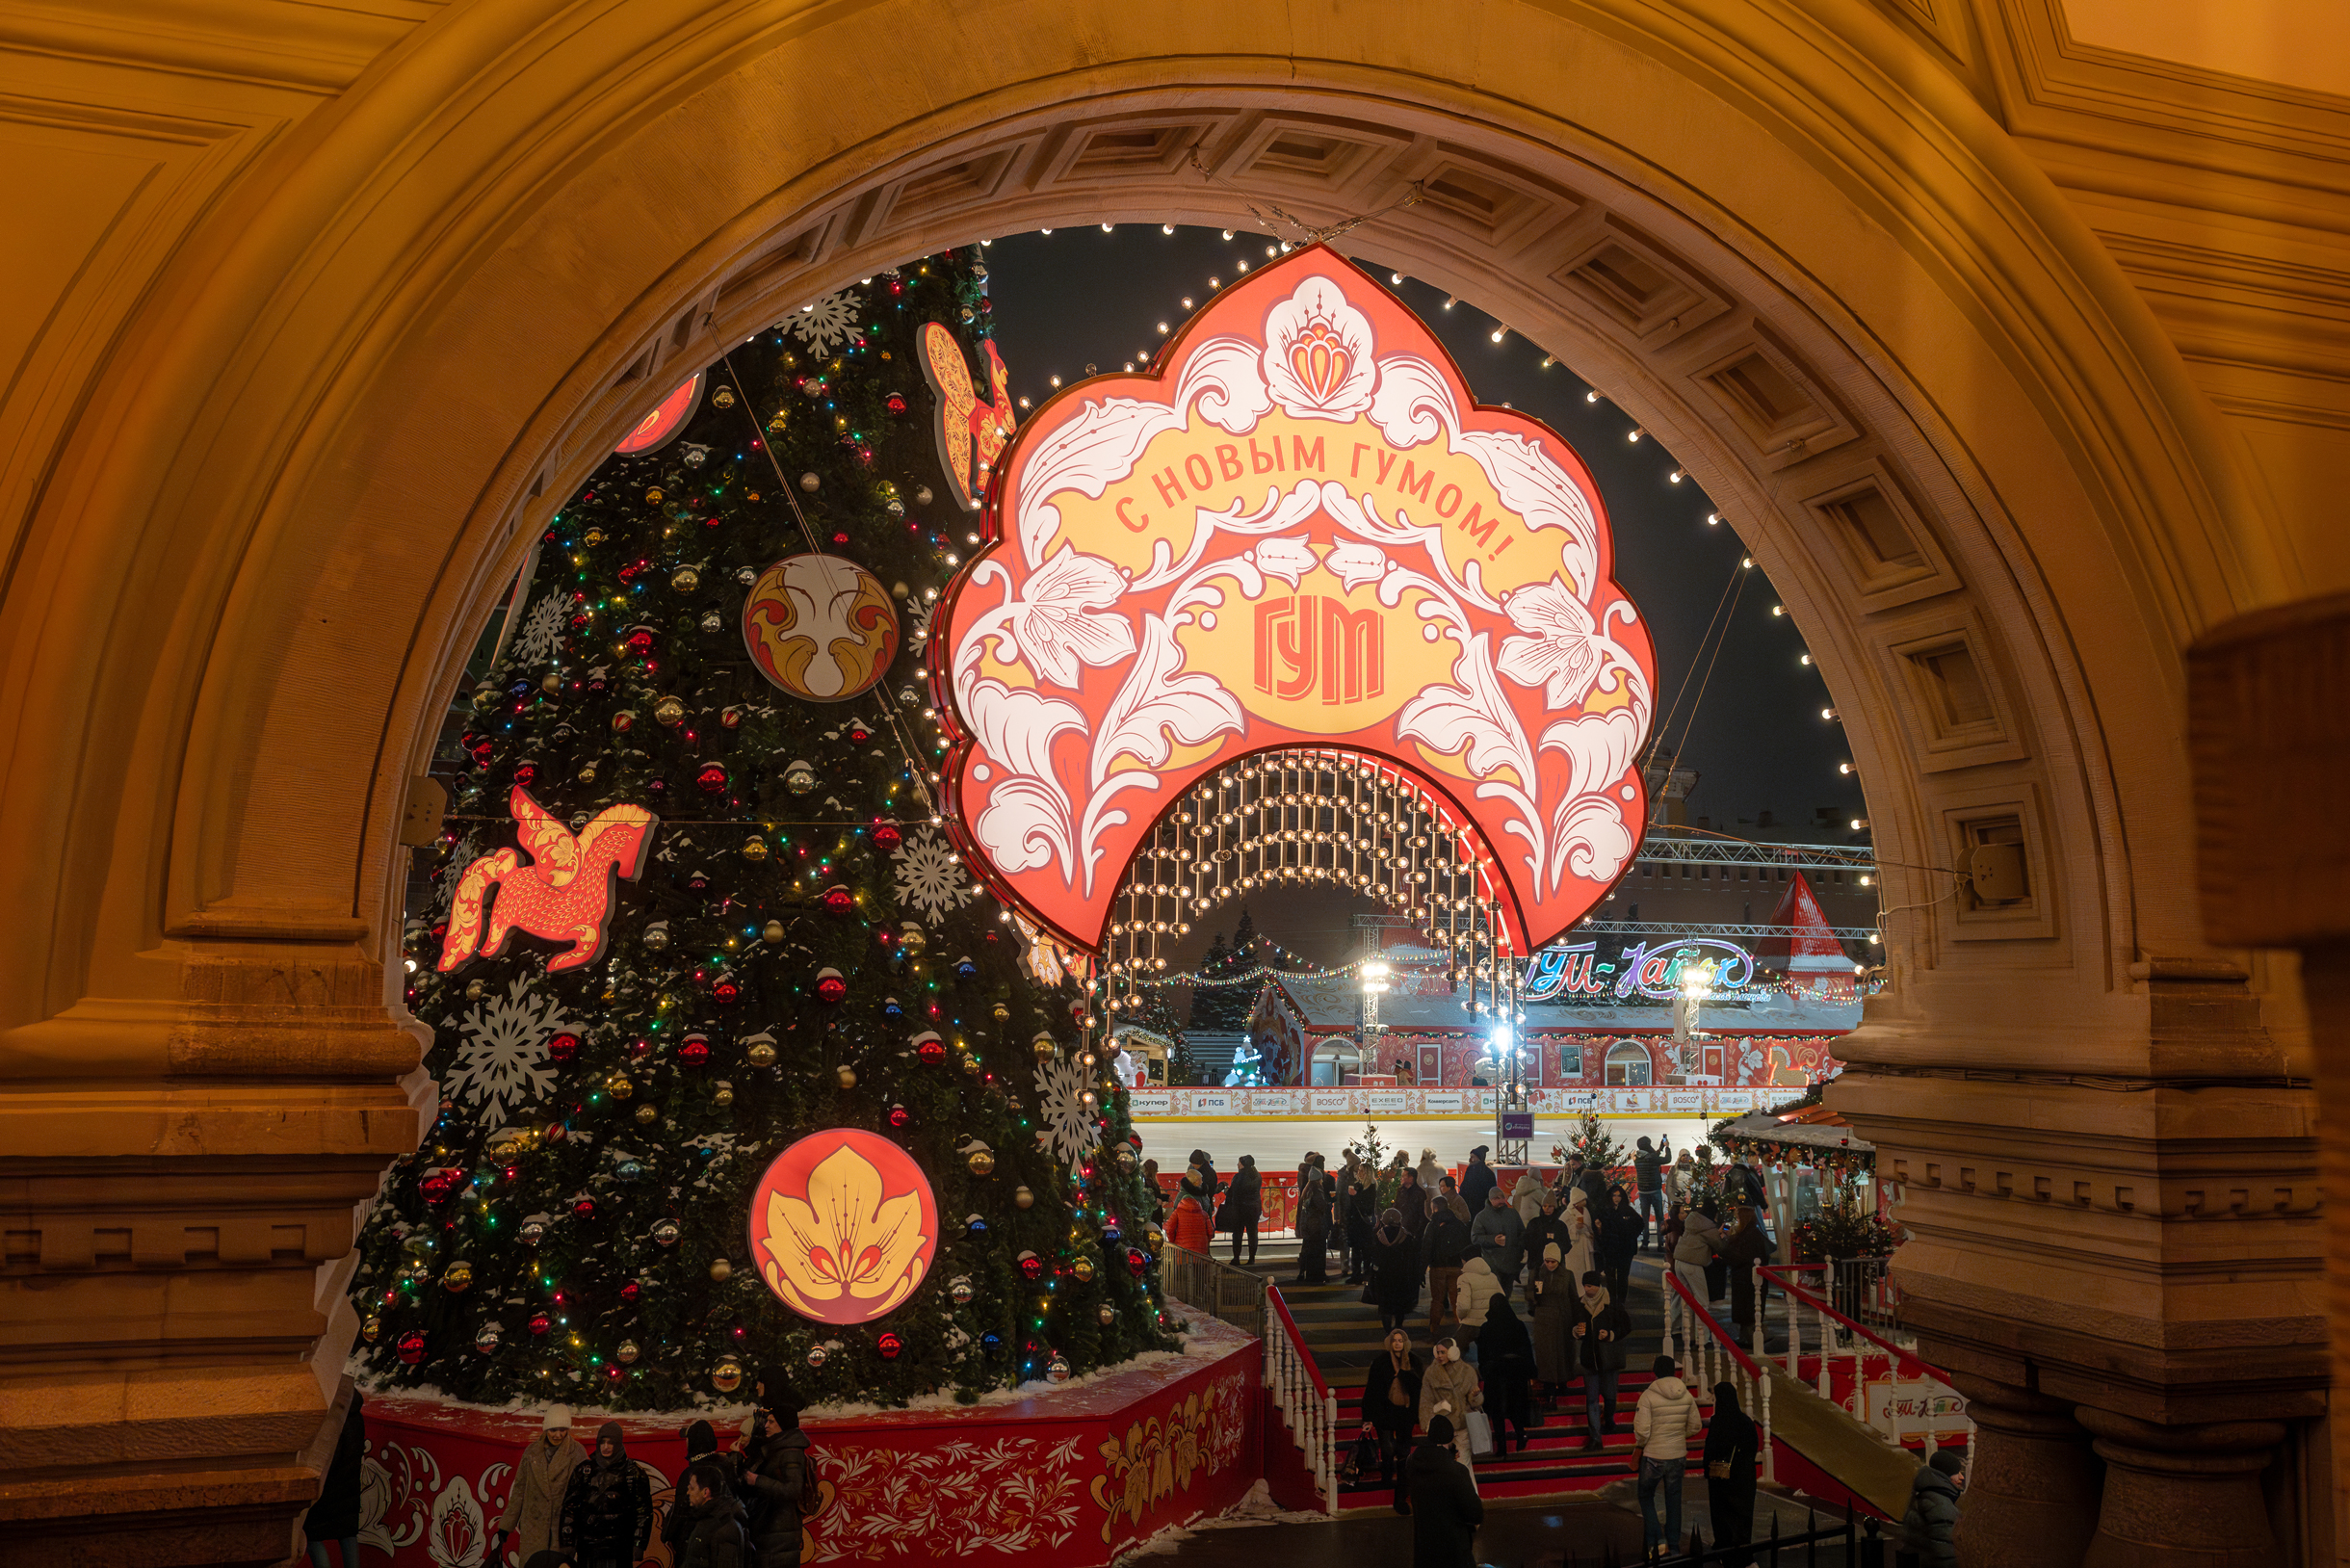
(1561, 1243)
(568, 1508)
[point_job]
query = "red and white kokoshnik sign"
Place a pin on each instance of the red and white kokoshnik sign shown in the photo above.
(1297, 531)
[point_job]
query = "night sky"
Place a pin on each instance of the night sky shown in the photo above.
(1757, 742)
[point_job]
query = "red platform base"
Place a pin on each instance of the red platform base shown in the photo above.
(1067, 1478)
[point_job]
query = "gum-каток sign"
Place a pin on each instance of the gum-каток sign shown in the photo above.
(1297, 531)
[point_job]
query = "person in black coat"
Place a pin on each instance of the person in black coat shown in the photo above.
(608, 1509)
(1361, 1217)
(1478, 1180)
(1506, 1356)
(335, 1515)
(1394, 1271)
(701, 1446)
(1622, 1228)
(714, 1537)
(1441, 1497)
(772, 1473)
(1390, 1402)
(1731, 1441)
(1244, 1207)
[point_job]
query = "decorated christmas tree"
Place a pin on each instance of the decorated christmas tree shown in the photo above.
(738, 1067)
(1596, 1145)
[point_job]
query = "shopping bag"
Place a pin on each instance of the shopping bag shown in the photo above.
(1480, 1435)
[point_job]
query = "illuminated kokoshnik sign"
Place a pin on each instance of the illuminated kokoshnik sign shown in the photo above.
(1297, 531)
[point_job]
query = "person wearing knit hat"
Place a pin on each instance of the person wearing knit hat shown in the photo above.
(607, 1509)
(535, 1502)
(1441, 1497)
(701, 1446)
(772, 1474)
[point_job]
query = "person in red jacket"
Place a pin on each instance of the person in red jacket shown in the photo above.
(1188, 1225)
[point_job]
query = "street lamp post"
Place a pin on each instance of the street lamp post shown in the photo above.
(1374, 978)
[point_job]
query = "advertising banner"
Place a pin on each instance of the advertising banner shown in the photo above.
(1437, 1101)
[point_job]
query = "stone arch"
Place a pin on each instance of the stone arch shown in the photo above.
(1800, 255)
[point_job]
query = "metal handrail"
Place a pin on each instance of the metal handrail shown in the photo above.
(1228, 1294)
(1752, 1381)
(1906, 1360)
(1904, 1363)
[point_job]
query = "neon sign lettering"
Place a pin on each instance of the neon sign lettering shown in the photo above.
(1655, 971)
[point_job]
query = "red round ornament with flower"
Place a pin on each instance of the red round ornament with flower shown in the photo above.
(844, 1226)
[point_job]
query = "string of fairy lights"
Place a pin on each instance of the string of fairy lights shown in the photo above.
(1502, 335)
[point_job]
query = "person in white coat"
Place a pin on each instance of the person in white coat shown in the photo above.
(1527, 1197)
(1471, 1299)
(535, 1500)
(1450, 1387)
(1582, 1234)
(1662, 1425)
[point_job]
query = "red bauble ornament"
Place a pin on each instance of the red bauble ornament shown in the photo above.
(563, 1046)
(930, 1049)
(630, 1291)
(694, 1051)
(639, 1049)
(889, 1345)
(839, 901)
(900, 1117)
(829, 986)
(858, 734)
(1031, 1266)
(887, 835)
(639, 638)
(440, 1186)
(526, 772)
(583, 1209)
(1137, 1262)
(726, 990)
(540, 1323)
(711, 778)
(896, 403)
(411, 1348)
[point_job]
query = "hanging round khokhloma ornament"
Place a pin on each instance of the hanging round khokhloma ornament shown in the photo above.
(822, 627)
(843, 1227)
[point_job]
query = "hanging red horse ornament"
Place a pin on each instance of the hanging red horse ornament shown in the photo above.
(1297, 530)
(564, 893)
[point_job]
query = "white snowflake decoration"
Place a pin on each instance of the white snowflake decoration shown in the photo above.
(1068, 1129)
(502, 1063)
(468, 850)
(830, 321)
(543, 630)
(928, 876)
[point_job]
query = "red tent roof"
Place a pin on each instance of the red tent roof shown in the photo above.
(1808, 944)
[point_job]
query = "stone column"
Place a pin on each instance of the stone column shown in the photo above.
(2182, 1496)
(2269, 724)
(179, 1216)
(2032, 1490)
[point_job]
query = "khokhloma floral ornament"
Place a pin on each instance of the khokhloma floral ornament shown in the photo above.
(843, 1227)
(1296, 529)
(564, 893)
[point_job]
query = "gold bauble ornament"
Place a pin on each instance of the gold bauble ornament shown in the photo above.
(457, 1277)
(507, 1148)
(727, 1376)
(627, 1354)
(473, 990)
(550, 682)
(723, 1094)
(754, 850)
(588, 774)
(760, 1054)
(648, 1114)
(772, 935)
(485, 698)
(720, 1269)
(670, 710)
(618, 1087)
(371, 1328)
(685, 580)
(1082, 1268)
(594, 536)
(1023, 1198)
(1156, 1238)
(1105, 1315)
(911, 938)
(653, 495)
(723, 398)
(1002, 1013)
(1043, 1047)
(982, 1162)
(846, 1074)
